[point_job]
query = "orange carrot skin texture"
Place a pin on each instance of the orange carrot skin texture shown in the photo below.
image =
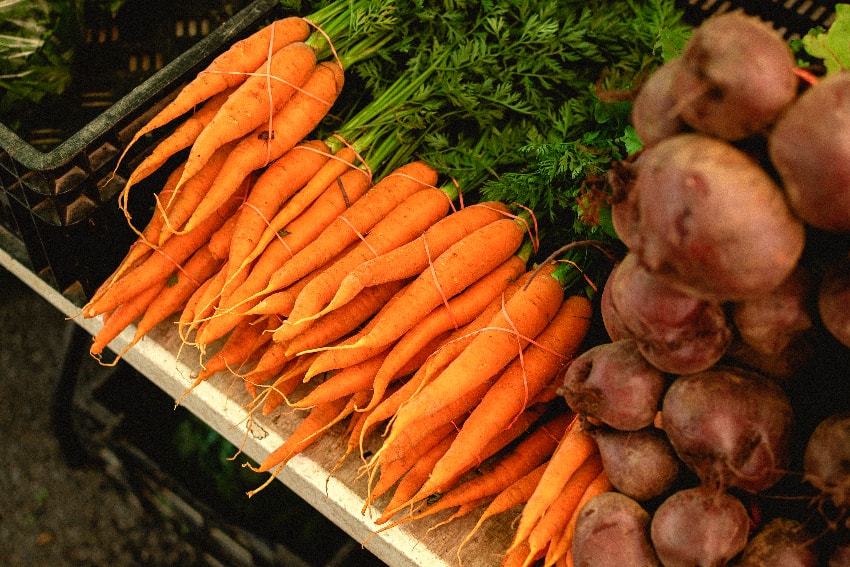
(524, 316)
(244, 344)
(575, 447)
(412, 259)
(253, 102)
(561, 550)
(343, 383)
(459, 311)
(160, 265)
(183, 137)
(531, 451)
(290, 125)
(231, 68)
(124, 315)
(364, 214)
(307, 432)
(300, 232)
(330, 173)
(187, 197)
(462, 264)
(282, 179)
(553, 523)
(523, 379)
(401, 225)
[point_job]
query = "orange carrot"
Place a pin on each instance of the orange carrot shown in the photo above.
(413, 258)
(229, 69)
(331, 173)
(343, 383)
(530, 452)
(158, 266)
(553, 523)
(561, 549)
(181, 138)
(123, 316)
(301, 231)
(253, 103)
(522, 380)
(454, 270)
(290, 125)
(282, 179)
(515, 494)
(180, 204)
(522, 318)
(400, 225)
(575, 447)
(285, 384)
(319, 420)
(361, 216)
(459, 311)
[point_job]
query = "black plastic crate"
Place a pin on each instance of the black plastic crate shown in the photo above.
(60, 204)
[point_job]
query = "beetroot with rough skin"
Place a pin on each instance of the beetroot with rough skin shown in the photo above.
(826, 461)
(613, 383)
(654, 113)
(706, 218)
(730, 426)
(676, 332)
(699, 527)
(781, 542)
(736, 76)
(833, 298)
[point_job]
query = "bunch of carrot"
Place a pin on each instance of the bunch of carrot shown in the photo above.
(357, 289)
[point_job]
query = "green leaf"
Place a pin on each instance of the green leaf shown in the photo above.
(832, 46)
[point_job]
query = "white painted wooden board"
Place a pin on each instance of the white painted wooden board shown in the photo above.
(221, 403)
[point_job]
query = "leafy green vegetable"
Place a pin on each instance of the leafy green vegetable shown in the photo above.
(831, 46)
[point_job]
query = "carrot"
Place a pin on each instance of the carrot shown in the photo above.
(413, 258)
(515, 494)
(529, 453)
(181, 138)
(158, 266)
(336, 325)
(454, 270)
(522, 380)
(364, 214)
(253, 102)
(560, 550)
(482, 453)
(459, 311)
(553, 523)
(123, 315)
(331, 173)
(319, 420)
(412, 481)
(290, 125)
(285, 384)
(400, 225)
(183, 201)
(522, 318)
(349, 188)
(343, 383)
(282, 179)
(575, 447)
(229, 69)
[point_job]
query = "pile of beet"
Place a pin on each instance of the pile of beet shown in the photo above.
(721, 404)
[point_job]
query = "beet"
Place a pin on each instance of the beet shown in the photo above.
(826, 461)
(612, 530)
(737, 74)
(833, 297)
(782, 541)
(640, 464)
(699, 527)
(613, 383)
(730, 426)
(706, 218)
(654, 114)
(676, 332)
(810, 148)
